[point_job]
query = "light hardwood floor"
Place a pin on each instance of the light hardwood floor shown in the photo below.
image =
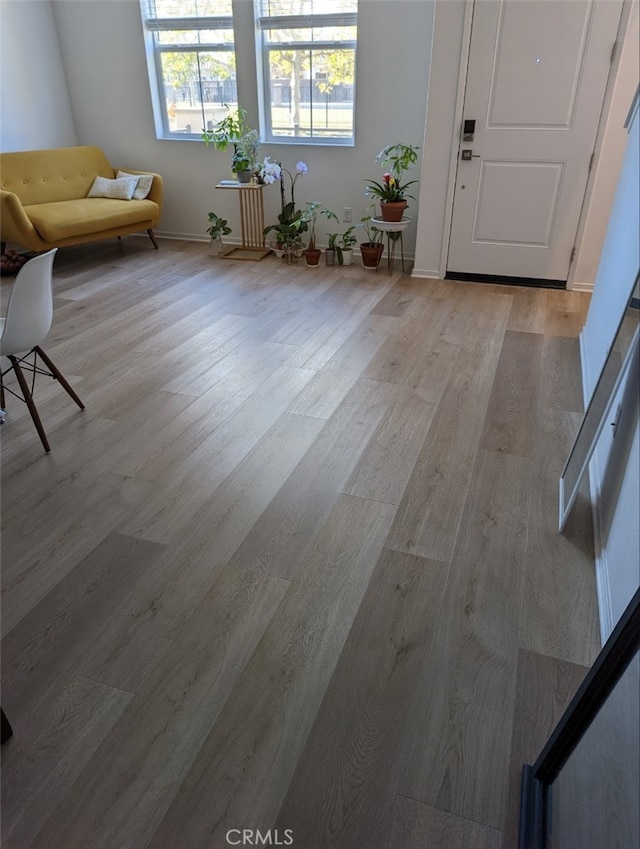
(296, 566)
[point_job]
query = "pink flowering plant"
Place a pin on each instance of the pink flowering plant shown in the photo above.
(400, 157)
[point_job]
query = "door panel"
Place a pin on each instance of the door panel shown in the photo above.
(517, 202)
(536, 81)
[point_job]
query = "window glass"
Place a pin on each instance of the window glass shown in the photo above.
(309, 55)
(306, 75)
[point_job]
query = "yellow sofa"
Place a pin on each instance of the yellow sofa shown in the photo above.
(44, 203)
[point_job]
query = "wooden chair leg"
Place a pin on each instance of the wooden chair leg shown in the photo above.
(153, 238)
(26, 394)
(58, 375)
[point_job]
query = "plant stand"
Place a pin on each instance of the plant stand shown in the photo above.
(394, 231)
(251, 221)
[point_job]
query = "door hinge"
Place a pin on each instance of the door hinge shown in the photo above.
(614, 50)
(573, 254)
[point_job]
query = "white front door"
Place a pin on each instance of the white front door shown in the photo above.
(536, 80)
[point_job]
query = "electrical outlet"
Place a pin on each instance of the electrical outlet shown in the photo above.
(347, 214)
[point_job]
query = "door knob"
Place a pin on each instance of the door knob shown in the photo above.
(467, 155)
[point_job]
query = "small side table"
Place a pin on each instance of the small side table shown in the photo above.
(394, 231)
(251, 221)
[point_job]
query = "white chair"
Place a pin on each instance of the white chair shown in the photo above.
(26, 325)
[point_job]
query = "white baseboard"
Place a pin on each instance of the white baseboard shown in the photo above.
(577, 286)
(427, 273)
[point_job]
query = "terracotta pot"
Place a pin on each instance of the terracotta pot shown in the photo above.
(371, 254)
(393, 210)
(312, 257)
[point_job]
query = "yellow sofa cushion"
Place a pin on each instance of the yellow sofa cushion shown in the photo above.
(62, 219)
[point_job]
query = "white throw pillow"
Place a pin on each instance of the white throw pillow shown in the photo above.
(121, 189)
(144, 184)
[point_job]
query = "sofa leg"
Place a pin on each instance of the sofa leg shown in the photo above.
(153, 238)
(3, 247)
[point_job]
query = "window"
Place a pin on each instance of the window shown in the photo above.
(308, 52)
(306, 76)
(192, 64)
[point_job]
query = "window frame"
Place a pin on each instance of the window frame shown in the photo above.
(263, 49)
(152, 25)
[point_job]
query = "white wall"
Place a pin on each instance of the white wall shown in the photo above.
(440, 136)
(34, 103)
(609, 158)
(105, 66)
(614, 468)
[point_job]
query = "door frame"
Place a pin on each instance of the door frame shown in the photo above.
(469, 6)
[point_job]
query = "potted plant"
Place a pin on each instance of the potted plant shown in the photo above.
(245, 157)
(372, 249)
(233, 130)
(391, 191)
(312, 212)
(287, 233)
(344, 246)
(218, 227)
(331, 249)
(227, 131)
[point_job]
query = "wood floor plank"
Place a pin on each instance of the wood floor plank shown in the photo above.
(343, 789)
(184, 489)
(248, 761)
(385, 466)
(125, 651)
(529, 310)
(69, 618)
(418, 826)
(148, 553)
(544, 688)
(429, 514)
(406, 359)
(52, 742)
(39, 563)
(509, 422)
(280, 538)
(110, 803)
(560, 388)
(559, 573)
(466, 691)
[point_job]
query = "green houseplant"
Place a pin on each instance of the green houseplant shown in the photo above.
(391, 191)
(371, 250)
(311, 213)
(345, 245)
(233, 130)
(332, 249)
(218, 227)
(245, 157)
(227, 131)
